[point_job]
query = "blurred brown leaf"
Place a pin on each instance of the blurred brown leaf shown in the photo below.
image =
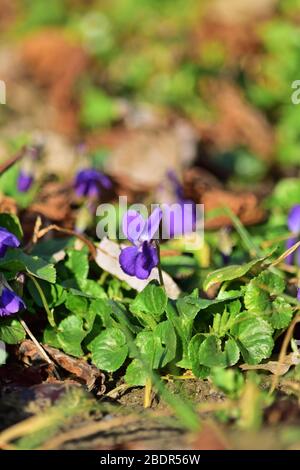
(204, 188)
(8, 204)
(237, 123)
(56, 64)
(54, 203)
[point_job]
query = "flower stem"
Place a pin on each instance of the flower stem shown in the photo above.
(43, 299)
(148, 393)
(160, 274)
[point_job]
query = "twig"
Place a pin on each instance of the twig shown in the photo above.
(30, 425)
(273, 241)
(88, 430)
(11, 161)
(37, 228)
(118, 391)
(283, 351)
(148, 393)
(286, 254)
(39, 347)
(70, 232)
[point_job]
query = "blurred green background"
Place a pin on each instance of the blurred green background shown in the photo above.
(88, 68)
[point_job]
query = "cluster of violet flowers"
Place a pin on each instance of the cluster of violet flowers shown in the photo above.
(89, 183)
(10, 302)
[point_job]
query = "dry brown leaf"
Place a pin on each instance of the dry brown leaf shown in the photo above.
(238, 123)
(8, 13)
(275, 367)
(241, 11)
(8, 204)
(142, 161)
(83, 372)
(56, 63)
(141, 157)
(239, 41)
(244, 205)
(197, 181)
(108, 259)
(204, 188)
(54, 203)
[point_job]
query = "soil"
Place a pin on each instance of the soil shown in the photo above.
(133, 427)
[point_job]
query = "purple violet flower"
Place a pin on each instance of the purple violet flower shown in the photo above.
(139, 260)
(25, 181)
(10, 303)
(294, 227)
(179, 219)
(7, 240)
(89, 182)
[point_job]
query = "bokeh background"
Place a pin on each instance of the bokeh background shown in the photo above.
(147, 85)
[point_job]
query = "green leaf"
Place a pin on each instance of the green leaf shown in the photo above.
(183, 318)
(180, 266)
(222, 323)
(168, 340)
(286, 193)
(259, 291)
(230, 381)
(70, 335)
(103, 309)
(15, 260)
(11, 331)
(123, 317)
(198, 369)
(136, 374)
(97, 108)
(152, 300)
(77, 304)
(211, 353)
(253, 336)
(93, 289)
(150, 349)
(78, 264)
(190, 306)
(183, 326)
(109, 349)
(8, 186)
(259, 299)
(12, 223)
(50, 337)
(230, 273)
(282, 314)
(55, 294)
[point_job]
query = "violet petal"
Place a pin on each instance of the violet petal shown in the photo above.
(127, 259)
(294, 219)
(25, 181)
(152, 225)
(133, 225)
(146, 261)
